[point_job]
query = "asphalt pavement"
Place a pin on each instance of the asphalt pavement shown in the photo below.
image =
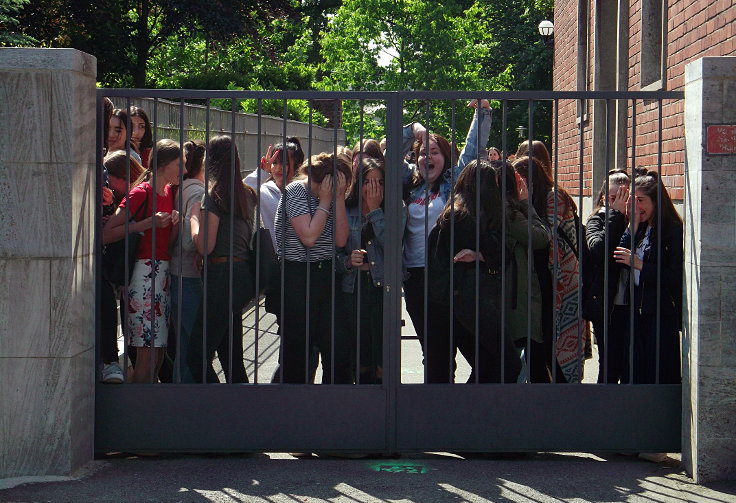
(417, 478)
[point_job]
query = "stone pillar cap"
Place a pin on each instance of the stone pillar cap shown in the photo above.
(13, 58)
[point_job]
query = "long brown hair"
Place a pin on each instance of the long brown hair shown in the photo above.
(538, 151)
(463, 202)
(371, 150)
(225, 179)
(651, 185)
(540, 184)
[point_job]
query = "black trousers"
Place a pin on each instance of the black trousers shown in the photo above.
(109, 323)
(308, 322)
(370, 336)
(643, 343)
(218, 324)
(613, 354)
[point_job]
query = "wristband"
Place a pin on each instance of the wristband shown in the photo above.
(326, 211)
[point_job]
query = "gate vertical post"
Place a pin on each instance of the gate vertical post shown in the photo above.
(392, 267)
(47, 299)
(709, 321)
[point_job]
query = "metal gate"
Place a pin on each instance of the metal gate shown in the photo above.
(399, 414)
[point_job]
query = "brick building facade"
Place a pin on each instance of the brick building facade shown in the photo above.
(630, 45)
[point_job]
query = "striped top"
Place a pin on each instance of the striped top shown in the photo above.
(294, 202)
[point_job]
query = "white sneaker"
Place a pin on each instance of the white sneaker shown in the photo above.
(112, 373)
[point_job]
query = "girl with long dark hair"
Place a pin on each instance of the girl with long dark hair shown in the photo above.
(564, 332)
(361, 263)
(656, 255)
(225, 188)
(141, 134)
(476, 254)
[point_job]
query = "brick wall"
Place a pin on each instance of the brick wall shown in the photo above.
(694, 30)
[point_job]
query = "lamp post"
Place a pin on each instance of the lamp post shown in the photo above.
(547, 29)
(521, 130)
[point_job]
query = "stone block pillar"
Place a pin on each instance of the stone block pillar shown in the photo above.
(709, 343)
(47, 299)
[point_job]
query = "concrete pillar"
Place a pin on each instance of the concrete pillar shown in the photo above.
(47, 194)
(709, 343)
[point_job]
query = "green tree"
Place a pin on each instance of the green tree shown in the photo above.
(125, 34)
(9, 23)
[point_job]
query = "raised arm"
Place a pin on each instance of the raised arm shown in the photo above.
(478, 133)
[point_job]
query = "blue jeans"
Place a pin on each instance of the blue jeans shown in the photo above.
(191, 298)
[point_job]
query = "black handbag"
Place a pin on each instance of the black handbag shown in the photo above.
(114, 257)
(263, 260)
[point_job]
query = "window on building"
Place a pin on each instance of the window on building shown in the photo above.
(652, 62)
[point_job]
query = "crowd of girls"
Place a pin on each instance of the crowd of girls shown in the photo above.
(491, 260)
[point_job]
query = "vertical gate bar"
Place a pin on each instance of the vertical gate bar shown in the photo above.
(334, 234)
(606, 243)
(658, 229)
(205, 227)
(284, 165)
(392, 268)
(259, 258)
(176, 376)
(504, 209)
(476, 363)
(556, 156)
(555, 268)
(632, 208)
(97, 255)
(530, 250)
(358, 282)
(425, 301)
(581, 191)
(126, 286)
(453, 162)
(309, 268)
(233, 177)
(154, 356)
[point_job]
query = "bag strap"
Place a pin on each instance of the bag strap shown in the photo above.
(566, 238)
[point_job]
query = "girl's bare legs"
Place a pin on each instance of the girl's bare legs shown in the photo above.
(144, 371)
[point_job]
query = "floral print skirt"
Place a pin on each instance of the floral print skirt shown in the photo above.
(148, 304)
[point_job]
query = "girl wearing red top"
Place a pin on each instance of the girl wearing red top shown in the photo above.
(148, 297)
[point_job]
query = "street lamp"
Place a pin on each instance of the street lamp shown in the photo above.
(521, 130)
(547, 29)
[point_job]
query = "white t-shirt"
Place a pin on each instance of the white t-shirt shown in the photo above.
(414, 237)
(270, 196)
(251, 179)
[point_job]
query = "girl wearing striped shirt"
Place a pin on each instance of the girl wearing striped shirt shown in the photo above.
(310, 223)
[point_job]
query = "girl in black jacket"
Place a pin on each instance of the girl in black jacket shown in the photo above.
(608, 217)
(657, 259)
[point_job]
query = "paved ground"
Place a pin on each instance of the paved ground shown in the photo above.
(415, 478)
(421, 478)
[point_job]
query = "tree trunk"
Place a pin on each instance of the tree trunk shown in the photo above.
(142, 45)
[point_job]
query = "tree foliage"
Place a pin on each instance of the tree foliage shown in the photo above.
(315, 44)
(9, 36)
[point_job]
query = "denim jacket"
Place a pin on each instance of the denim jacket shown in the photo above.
(473, 141)
(374, 247)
